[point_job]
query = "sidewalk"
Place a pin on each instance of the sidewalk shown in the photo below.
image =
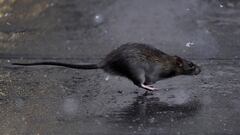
(55, 100)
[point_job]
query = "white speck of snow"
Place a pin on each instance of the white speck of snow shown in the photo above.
(107, 78)
(189, 44)
(98, 19)
(221, 6)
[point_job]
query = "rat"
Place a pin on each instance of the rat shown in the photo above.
(143, 64)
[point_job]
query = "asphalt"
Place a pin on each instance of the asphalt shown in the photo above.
(48, 100)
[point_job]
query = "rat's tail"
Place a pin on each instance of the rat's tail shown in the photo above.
(84, 66)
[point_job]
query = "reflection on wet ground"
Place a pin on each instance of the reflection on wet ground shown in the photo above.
(150, 111)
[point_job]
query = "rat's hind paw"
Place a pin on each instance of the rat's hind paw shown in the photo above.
(149, 87)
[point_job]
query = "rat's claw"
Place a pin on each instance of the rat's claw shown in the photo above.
(148, 87)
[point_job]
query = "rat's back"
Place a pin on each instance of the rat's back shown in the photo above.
(135, 51)
(131, 56)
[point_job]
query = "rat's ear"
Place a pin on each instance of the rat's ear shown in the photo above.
(179, 61)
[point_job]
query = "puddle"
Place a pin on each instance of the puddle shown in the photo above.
(150, 109)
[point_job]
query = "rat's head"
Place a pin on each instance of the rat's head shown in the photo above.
(186, 67)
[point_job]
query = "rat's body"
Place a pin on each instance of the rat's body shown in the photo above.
(142, 64)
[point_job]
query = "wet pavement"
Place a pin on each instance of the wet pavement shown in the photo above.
(47, 100)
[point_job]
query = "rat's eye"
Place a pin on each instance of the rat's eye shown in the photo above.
(191, 65)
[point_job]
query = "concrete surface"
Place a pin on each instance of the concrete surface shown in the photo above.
(48, 100)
